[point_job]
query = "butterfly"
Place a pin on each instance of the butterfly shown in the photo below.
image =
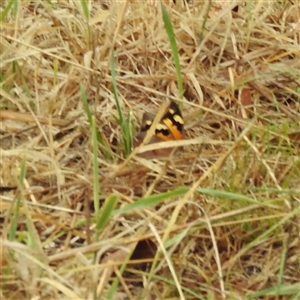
(169, 128)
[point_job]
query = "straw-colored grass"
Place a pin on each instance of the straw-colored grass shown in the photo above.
(217, 219)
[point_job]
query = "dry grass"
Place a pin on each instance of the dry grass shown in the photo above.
(228, 228)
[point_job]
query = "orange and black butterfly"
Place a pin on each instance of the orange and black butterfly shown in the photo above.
(169, 128)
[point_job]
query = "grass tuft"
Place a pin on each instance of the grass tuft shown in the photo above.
(97, 134)
(123, 121)
(175, 54)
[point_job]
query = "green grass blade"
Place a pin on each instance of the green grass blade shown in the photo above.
(85, 104)
(172, 39)
(296, 296)
(14, 65)
(298, 93)
(115, 88)
(14, 224)
(85, 9)
(15, 219)
(151, 200)
(158, 198)
(87, 15)
(106, 152)
(32, 236)
(96, 183)
(7, 9)
(125, 123)
(284, 290)
(106, 212)
(232, 196)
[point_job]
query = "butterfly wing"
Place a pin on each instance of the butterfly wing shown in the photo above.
(173, 122)
(170, 127)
